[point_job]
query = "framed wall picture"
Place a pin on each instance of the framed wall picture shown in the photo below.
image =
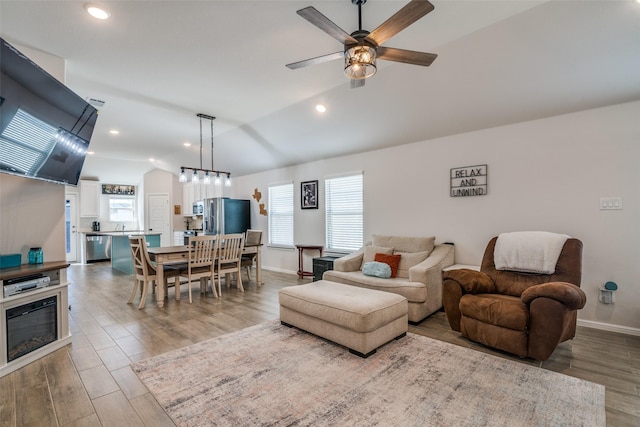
(309, 194)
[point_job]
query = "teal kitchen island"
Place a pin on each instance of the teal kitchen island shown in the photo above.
(121, 259)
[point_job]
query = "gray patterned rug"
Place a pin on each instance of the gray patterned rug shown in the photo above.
(269, 374)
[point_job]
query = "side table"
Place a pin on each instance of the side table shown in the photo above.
(301, 248)
(322, 264)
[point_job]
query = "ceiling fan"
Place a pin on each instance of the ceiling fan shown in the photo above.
(362, 48)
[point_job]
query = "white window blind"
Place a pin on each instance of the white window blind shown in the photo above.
(344, 212)
(280, 215)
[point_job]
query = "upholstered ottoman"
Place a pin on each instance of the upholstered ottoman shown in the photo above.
(360, 319)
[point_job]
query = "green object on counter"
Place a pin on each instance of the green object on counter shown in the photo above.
(121, 259)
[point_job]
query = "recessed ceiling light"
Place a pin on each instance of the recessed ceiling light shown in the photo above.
(186, 144)
(97, 11)
(152, 159)
(91, 152)
(114, 131)
(321, 108)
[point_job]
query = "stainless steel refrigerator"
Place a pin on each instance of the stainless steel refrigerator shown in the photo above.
(226, 216)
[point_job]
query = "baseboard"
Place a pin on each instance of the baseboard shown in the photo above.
(609, 327)
(280, 270)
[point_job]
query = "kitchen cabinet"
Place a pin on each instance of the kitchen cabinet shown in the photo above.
(187, 199)
(89, 199)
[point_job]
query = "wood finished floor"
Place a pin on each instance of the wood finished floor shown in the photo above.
(90, 383)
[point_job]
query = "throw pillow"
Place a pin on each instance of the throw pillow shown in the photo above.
(371, 251)
(392, 260)
(408, 260)
(376, 269)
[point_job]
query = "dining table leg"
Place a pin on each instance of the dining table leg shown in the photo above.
(160, 281)
(259, 267)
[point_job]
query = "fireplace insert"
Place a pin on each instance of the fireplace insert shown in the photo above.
(31, 326)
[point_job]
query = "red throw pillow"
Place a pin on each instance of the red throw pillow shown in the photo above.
(392, 260)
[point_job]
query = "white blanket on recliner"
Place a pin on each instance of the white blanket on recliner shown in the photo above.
(528, 251)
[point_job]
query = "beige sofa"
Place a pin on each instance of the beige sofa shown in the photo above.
(419, 277)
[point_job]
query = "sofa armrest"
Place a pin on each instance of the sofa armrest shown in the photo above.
(430, 270)
(351, 262)
(568, 294)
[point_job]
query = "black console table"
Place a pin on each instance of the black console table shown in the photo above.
(322, 264)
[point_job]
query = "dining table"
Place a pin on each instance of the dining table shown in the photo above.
(180, 254)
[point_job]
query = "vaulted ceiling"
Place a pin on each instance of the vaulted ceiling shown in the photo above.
(156, 64)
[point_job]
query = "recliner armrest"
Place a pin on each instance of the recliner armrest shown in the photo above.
(471, 281)
(567, 293)
(351, 262)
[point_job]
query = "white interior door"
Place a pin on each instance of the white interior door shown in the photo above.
(71, 227)
(159, 218)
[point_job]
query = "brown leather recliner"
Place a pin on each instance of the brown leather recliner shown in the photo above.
(521, 313)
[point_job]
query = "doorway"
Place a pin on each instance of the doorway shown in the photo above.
(159, 217)
(71, 227)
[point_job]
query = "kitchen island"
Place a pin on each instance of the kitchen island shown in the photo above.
(121, 259)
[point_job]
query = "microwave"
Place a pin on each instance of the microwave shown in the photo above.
(198, 208)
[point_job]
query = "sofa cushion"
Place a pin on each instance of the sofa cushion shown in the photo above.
(376, 269)
(415, 292)
(408, 260)
(371, 251)
(405, 244)
(496, 309)
(393, 261)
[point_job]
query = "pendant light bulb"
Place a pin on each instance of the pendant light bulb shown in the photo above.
(217, 181)
(227, 182)
(183, 177)
(195, 178)
(207, 179)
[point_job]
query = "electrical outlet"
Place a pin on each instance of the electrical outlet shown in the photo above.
(610, 203)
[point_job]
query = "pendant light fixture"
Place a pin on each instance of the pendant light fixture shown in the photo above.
(207, 173)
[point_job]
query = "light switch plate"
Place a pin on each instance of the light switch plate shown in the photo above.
(610, 203)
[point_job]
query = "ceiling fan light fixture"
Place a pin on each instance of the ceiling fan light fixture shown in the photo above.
(360, 62)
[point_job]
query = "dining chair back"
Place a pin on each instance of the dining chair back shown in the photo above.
(144, 271)
(229, 258)
(253, 237)
(202, 255)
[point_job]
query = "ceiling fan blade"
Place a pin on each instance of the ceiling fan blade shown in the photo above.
(317, 60)
(406, 56)
(356, 83)
(406, 16)
(312, 15)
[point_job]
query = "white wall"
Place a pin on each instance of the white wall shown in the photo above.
(543, 175)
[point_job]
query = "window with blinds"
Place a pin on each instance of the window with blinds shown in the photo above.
(344, 213)
(281, 215)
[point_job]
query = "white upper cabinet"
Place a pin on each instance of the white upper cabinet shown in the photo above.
(89, 199)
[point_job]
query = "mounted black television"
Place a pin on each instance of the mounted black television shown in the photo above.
(45, 128)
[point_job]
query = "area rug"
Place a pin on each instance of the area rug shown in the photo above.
(272, 375)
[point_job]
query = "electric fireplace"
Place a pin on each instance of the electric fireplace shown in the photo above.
(31, 326)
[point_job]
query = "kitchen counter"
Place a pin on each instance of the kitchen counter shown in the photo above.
(121, 233)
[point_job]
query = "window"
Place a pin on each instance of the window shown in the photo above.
(281, 215)
(122, 209)
(344, 213)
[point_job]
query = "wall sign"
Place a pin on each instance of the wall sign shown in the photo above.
(468, 181)
(129, 190)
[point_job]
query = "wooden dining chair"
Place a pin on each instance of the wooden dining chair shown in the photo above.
(229, 258)
(201, 265)
(253, 237)
(144, 270)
